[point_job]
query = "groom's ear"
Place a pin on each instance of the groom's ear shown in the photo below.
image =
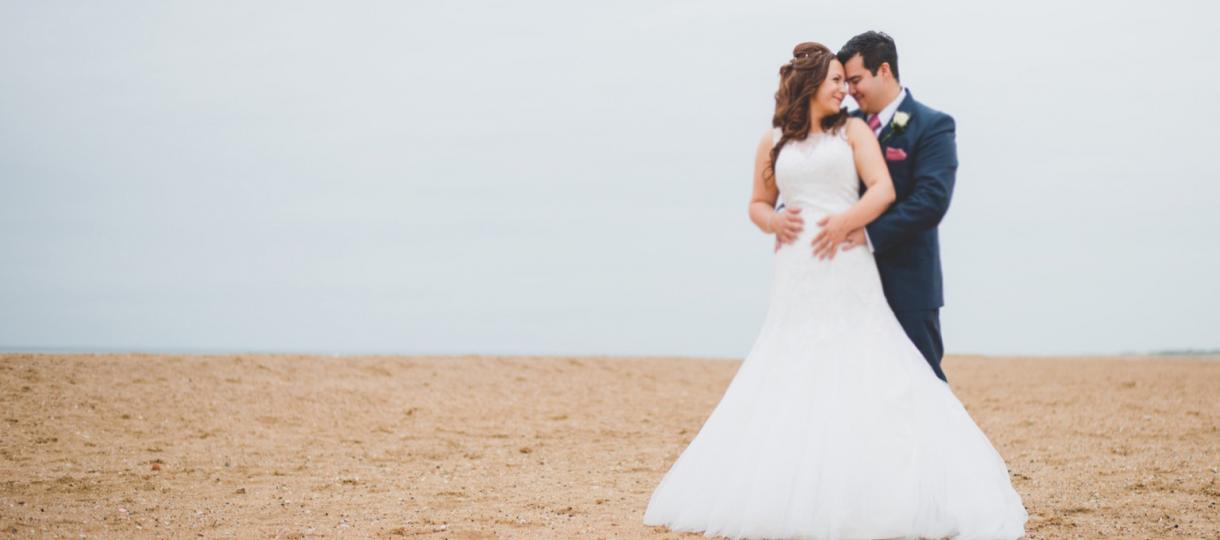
(886, 69)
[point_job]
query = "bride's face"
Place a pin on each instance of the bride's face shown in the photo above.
(830, 94)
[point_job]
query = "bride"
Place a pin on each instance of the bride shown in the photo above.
(834, 427)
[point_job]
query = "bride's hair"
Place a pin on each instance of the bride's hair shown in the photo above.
(799, 81)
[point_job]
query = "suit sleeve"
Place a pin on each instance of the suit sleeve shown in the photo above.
(934, 174)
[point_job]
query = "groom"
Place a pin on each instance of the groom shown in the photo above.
(920, 150)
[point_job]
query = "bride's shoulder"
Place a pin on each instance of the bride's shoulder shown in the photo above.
(771, 136)
(856, 128)
(855, 124)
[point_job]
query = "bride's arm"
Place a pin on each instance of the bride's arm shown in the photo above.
(785, 225)
(870, 165)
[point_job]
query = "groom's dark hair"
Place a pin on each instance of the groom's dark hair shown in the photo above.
(875, 47)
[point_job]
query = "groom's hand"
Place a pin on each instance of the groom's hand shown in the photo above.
(854, 238)
(832, 235)
(788, 225)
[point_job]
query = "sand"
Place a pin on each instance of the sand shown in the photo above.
(157, 446)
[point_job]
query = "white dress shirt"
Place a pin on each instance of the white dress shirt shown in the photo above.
(887, 114)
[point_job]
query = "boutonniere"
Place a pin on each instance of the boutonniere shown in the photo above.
(899, 124)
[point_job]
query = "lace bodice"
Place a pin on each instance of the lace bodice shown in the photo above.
(818, 172)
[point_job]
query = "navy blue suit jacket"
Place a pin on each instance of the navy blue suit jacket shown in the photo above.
(904, 238)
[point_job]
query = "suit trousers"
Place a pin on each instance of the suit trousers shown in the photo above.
(923, 327)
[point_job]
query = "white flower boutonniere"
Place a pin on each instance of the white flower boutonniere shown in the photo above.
(901, 119)
(899, 124)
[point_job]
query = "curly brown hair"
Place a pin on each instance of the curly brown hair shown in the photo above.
(799, 81)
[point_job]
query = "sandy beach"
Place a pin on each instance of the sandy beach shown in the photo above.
(261, 446)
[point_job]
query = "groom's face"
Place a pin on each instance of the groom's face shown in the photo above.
(864, 87)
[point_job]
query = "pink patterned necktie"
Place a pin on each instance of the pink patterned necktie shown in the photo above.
(874, 123)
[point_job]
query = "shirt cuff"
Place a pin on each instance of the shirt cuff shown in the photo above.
(869, 242)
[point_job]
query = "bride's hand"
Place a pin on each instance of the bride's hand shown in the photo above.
(834, 232)
(787, 224)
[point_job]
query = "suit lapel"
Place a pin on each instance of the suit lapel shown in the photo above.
(905, 106)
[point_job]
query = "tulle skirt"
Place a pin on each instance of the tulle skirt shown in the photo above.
(835, 427)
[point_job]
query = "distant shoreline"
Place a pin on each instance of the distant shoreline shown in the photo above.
(1185, 354)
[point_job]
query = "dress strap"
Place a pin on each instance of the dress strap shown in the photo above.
(776, 134)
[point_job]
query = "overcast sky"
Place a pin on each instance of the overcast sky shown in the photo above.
(572, 177)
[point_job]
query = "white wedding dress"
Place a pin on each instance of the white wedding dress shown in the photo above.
(834, 426)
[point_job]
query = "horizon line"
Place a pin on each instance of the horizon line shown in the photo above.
(209, 351)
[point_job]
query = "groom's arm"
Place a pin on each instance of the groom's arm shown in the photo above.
(935, 171)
